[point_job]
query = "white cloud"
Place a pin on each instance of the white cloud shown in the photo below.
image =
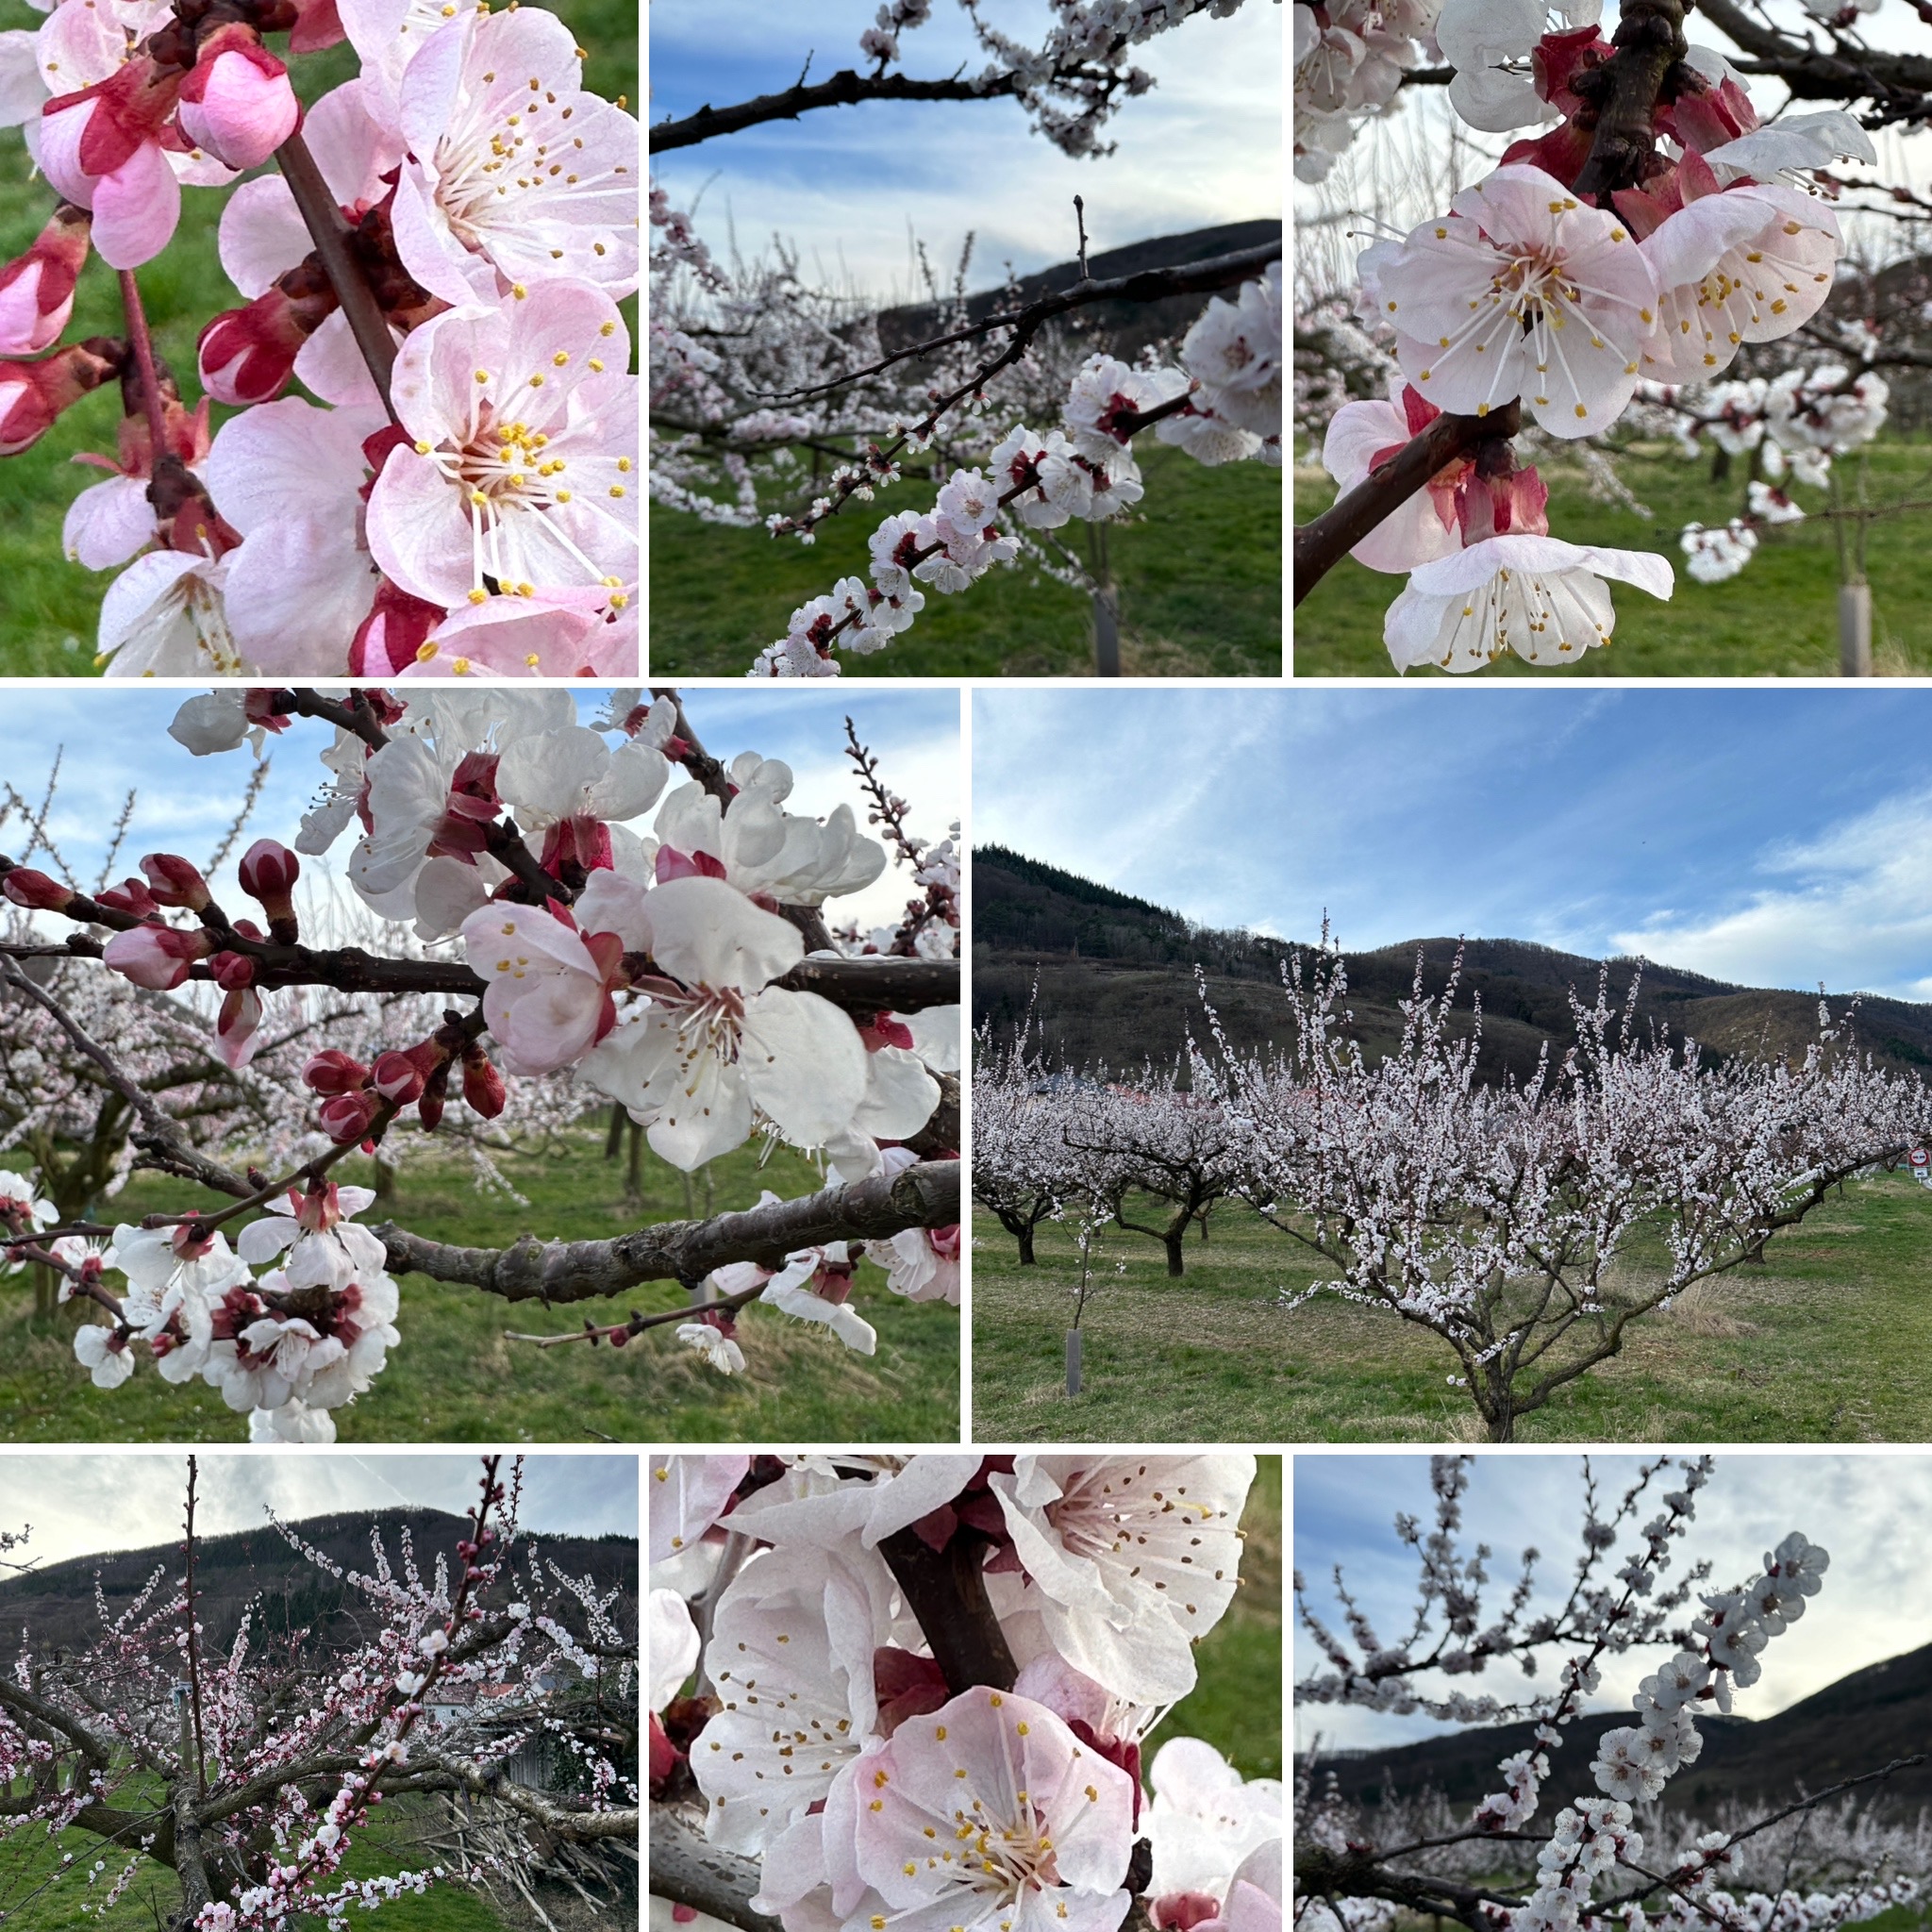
(1852, 908)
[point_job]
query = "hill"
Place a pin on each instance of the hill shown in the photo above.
(1116, 983)
(1863, 1720)
(55, 1605)
(1124, 328)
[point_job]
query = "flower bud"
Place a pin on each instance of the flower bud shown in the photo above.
(483, 1087)
(332, 1071)
(345, 1117)
(248, 354)
(398, 1078)
(237, 104)
(269, 872)
(433, 1097)
(175, 882)
(37, 288)
(232, 971)
(238, 1023)
(26, 887)
(130, 896)
(157, 957)
(32, 394)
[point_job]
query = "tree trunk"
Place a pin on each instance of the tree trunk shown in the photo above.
(385, 1179)
(1024, 1235)
(634, 1170)
(1175, 1236)
(613, 1140)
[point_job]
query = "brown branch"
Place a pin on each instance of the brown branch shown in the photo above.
(925, 1196)
(689, 1872)
(845, 88)
(946, 1590)
(697, 761)
(1621, 96)
(1147, 285)
(1812, 74)
(1322, 541)
(329, 231)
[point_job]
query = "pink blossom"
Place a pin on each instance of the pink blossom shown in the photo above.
(237, 102)
(101, 148)
(1042, 1824)
(521, 474)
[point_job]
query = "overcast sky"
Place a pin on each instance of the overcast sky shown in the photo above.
(110, 738)
(1871, 1512)
(1772, 838)
(848, 185)
(80, 1505)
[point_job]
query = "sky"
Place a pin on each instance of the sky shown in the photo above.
(848, 185)
(1869, 1511)
(81, 1505)
(1765, 836)
(109, 739)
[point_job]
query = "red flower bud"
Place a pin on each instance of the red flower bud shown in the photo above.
(232, 971)
(345, 1117)
(269, 872)
(32, 394)
(26, 887)
(236, 103)
(37, 288)
(398, 1078)
(130, 896)
(175, 882)
(331, 1072)
(248, 354)
(483, 1087)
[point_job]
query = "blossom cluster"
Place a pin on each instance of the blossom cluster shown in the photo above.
(1566, 287)
(673, 972)
(1684, 1877)
(1220, 404)
(836, 1737)
(463, 209)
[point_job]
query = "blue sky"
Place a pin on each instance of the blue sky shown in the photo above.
(112, 739)
(1870, 1511)
(78, 1504)
(1772, 838)
(848, 184)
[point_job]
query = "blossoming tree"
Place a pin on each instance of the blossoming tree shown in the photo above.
(749, 364)
(252, 1774)
(1592, 1869)
(1642, 228)
(915, 1688)
(426, 462)
(688, 975)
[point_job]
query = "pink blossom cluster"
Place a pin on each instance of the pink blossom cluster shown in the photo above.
(919, 1790)
(436, 262)
(1577, 306)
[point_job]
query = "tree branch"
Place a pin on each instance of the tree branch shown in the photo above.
(946, 1590)
(1322, 542)
(926, 1196)
(845, 88)
(689, 1872)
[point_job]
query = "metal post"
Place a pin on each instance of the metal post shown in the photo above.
(1855, 630)
(1072, 1361)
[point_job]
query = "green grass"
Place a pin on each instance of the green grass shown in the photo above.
(1236, 1704)
(1778, 619)
(31, 1858)
(49, 610)
(454, 1378)
(1200, 576)
(1831, 1341)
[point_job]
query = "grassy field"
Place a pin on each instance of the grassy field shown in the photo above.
(1778, 619)
(1200, 576)
(1236, 1704)
(36, 1892)
(49, 607)
(1830, 1342)
(454, 1377)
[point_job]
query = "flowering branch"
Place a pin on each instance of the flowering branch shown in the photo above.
(1322, 541)
(845, 88)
